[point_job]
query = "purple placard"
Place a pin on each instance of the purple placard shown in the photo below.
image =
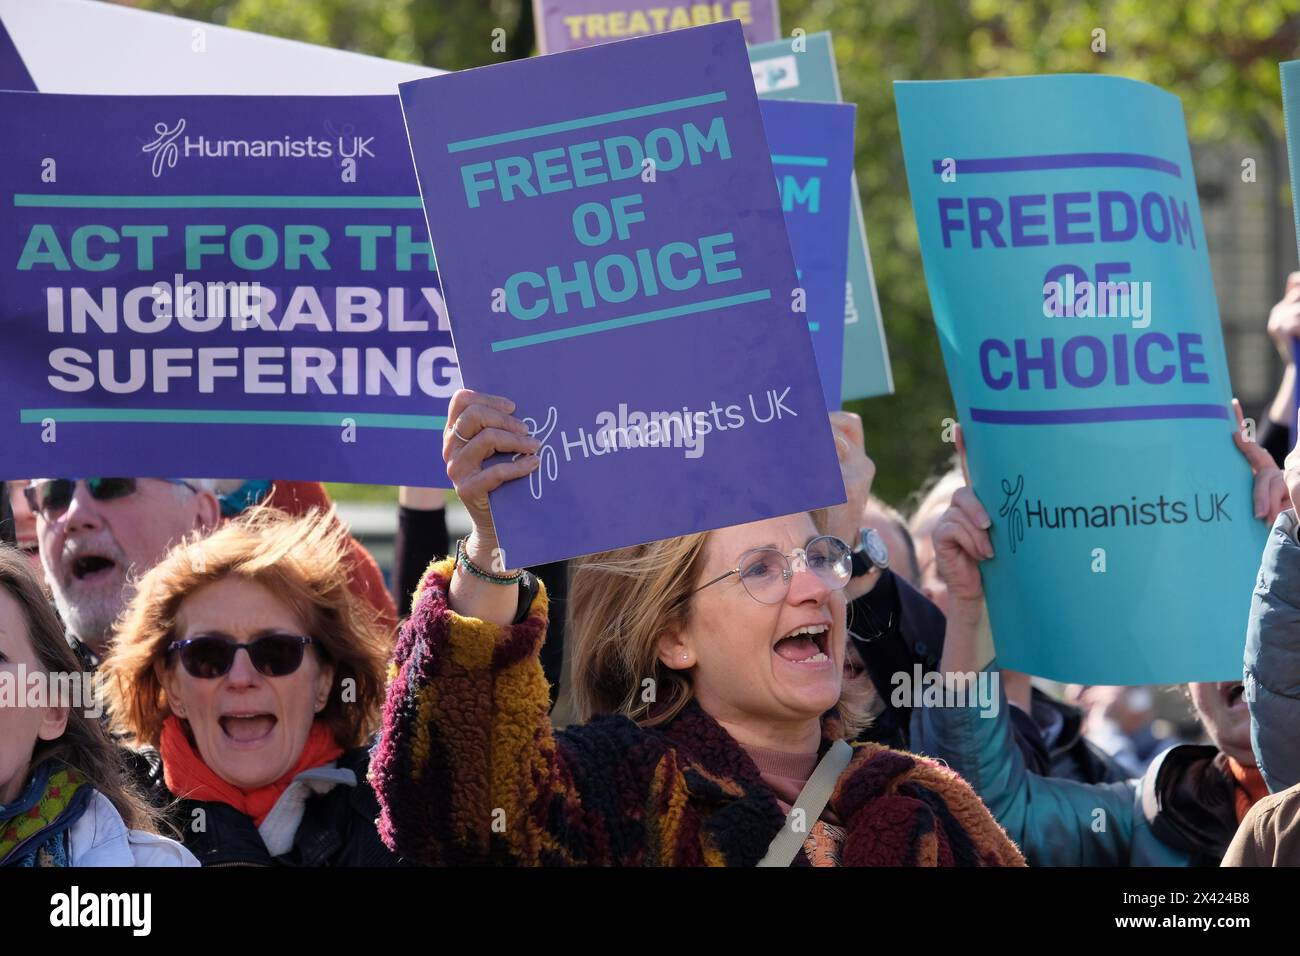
(812, 151)
(574, 24)
(535, 173)
(338, 366)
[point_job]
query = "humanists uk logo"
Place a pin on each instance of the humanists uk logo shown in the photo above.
(170, 144)
(1023, 512)
(778, 73)
(163, 147)
(625, 428)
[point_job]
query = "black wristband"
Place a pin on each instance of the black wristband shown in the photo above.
(528, 588)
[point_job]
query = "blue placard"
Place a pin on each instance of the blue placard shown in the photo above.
(223, 286)
(802, 67)
(812, 151)
(1100, 444)
(615, 260)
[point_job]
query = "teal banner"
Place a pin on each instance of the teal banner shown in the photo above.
(1071, 288)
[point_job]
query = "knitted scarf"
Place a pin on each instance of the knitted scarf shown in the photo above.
(33, 828)
(189, 778)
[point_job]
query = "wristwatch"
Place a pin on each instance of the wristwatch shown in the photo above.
(870, 554)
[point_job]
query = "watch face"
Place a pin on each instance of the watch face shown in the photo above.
(874, 546)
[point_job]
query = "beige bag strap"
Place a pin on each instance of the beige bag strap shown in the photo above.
(812, 800)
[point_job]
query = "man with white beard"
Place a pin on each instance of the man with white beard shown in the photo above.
(98, 535)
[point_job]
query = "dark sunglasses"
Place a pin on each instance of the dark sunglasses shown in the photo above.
(209, 656)
(51, 497)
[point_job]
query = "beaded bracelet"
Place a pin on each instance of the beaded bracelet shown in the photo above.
(463, 561)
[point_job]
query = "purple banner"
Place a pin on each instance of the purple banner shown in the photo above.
(218, 286)
(812, 152)
(608, 226)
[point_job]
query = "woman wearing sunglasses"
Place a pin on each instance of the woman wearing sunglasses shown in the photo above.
(707, 673)
(256, 672)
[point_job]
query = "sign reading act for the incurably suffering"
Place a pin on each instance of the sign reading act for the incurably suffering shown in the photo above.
(224, 286)
(613, 251)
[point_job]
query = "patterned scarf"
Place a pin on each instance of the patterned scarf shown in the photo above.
(33, 828)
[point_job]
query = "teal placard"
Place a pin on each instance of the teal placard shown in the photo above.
(1100, 444)
(807, 72)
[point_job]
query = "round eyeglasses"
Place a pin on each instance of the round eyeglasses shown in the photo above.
(766, 573)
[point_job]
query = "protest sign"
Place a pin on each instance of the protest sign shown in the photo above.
(803, 68)
(573, 24)
(223, 286)
(610, 236)
(1071, 289)
(812, 151)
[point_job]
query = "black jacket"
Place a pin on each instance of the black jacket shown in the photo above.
(337, 829)
(1189, 797)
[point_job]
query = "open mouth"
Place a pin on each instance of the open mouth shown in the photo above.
(805, 645)
(247, 728)
(88, 566)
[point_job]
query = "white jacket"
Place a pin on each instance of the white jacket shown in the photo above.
(101, 838)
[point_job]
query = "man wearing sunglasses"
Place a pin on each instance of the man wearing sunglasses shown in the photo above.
(97, 535)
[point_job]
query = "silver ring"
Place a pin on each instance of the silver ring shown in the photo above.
(455, 430)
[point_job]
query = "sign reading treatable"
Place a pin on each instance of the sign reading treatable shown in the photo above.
(223, 286)
(1072, 294)
(573, 24)
(612, 247)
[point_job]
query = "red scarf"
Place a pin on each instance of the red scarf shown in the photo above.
(1250, 786)
(188, 777)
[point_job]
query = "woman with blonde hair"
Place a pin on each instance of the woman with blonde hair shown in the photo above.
(65, 795)
(247, 660)
(707, 674)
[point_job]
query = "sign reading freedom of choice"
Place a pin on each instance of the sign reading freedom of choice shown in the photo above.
(812, 150)
(612, 248)
(574, 24)
(1072, 292)
(803, 68)
(225, 286)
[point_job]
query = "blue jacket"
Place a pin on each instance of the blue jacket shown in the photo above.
(1179, 813)
(1272, 665)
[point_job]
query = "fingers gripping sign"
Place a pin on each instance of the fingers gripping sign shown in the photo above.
(478, 427)
(961, 538)
(1271, 486)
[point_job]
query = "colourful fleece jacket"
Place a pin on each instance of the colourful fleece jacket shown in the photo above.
(469, 771)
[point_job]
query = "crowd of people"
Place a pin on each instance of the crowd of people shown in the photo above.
(720, 698)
